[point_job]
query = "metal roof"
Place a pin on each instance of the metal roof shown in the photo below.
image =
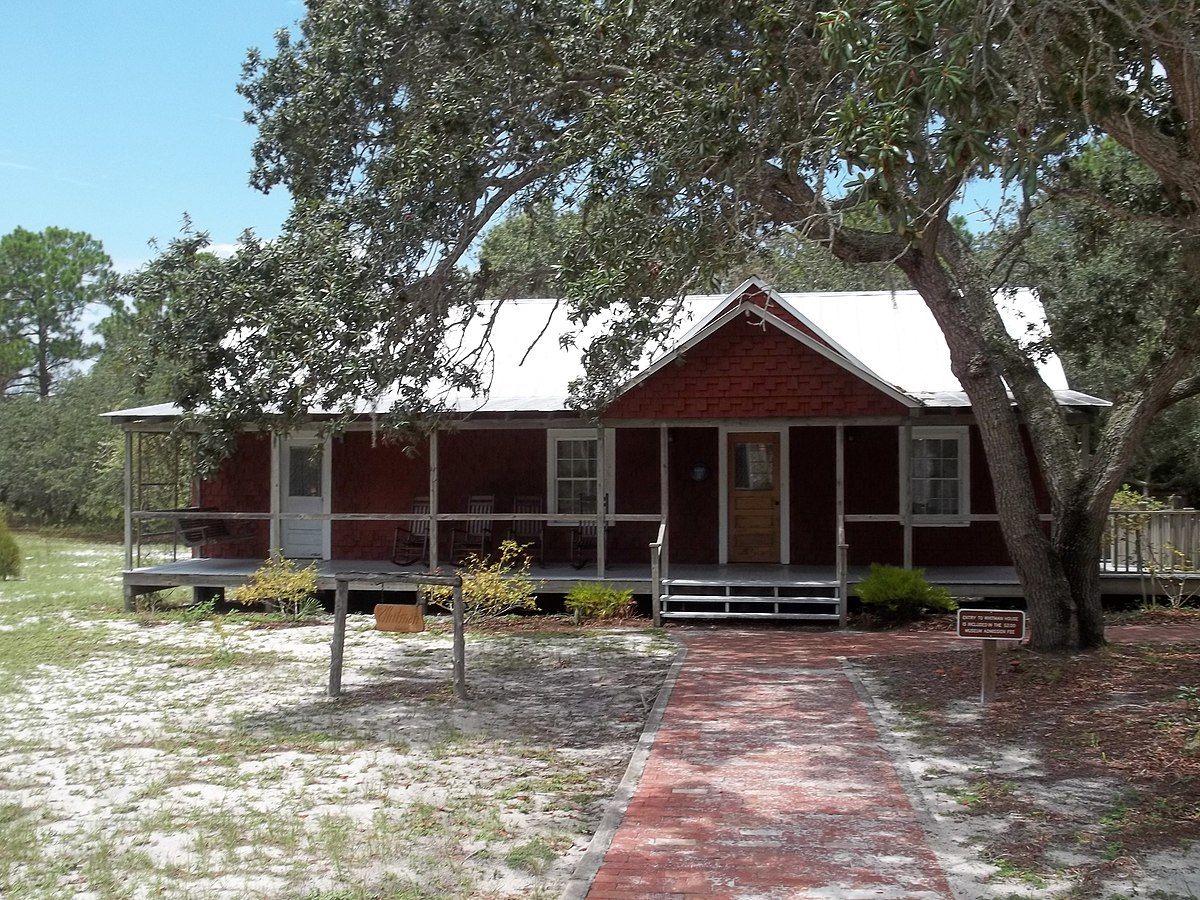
(888, 336)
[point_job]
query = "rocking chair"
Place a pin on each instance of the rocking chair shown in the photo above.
(530, 533)
(475, 535)
(411, 543)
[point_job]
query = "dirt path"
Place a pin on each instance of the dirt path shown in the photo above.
(768, 779)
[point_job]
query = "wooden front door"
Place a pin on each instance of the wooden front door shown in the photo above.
(754, 497)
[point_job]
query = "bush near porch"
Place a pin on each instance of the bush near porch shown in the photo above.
(901, 595)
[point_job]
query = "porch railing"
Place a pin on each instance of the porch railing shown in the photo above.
(174, 515)
(1152, 541)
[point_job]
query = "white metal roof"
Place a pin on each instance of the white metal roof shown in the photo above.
(888, 335)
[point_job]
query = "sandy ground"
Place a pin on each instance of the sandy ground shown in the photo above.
(949, 789)
(203, 760)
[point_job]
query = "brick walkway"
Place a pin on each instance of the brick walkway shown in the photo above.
(767, 779)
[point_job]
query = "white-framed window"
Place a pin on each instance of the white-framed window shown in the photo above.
(572, 470)
(939, 475)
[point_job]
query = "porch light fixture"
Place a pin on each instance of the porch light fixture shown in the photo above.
(699, 472)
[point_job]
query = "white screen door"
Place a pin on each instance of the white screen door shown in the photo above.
(303, 485)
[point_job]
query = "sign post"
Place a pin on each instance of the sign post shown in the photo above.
(990, 626)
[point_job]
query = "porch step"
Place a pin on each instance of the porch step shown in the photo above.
(688, 598)
(746, 598)
(809, 617)
(746, 582)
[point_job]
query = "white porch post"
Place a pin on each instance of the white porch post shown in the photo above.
(276, 539)
(126, 590)
(664, 489)
(128, 499)
(433, 499)
(842, 552)
(906, 491)
(601, 501)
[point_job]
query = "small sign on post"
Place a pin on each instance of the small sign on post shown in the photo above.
(990, 626)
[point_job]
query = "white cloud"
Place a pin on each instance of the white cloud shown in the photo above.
(223, 250)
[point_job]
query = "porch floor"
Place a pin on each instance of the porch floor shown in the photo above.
(982, 580)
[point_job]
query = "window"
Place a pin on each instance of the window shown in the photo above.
(304, 471)
(753, 466)
(572, 480)
(939, 484)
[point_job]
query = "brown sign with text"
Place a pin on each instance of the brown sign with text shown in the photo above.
(991, 624)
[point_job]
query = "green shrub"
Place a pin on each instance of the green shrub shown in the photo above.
(281, 584)
(10, 553)
(493, 587)
(901, 595)
(589, 600)
(198, 612)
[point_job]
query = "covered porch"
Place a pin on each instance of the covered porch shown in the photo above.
(736, 516)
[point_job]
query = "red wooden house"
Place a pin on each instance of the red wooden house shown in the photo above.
(756, 465)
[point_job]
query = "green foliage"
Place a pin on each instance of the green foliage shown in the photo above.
(281, 584)
(901, 595)
(522, 254)
(48, 279)
(494, 587)
(1128, 498)
(10, 553)
(1114, 287)
(198, 612)
(59, 461)
(590, 600)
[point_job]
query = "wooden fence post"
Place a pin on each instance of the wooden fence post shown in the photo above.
(340, 604)
(460, 643)
(987, 691)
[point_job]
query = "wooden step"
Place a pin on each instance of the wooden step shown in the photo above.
(743, 599)
(745, 582)
(814, 617)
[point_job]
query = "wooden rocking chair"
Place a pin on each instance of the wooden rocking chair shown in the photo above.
(583, 542)
(411, 543)
(474, 536)
(530, 533)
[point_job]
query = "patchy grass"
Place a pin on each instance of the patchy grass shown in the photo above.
(192, 754)
(1082, 770)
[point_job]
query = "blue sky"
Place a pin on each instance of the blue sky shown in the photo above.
(121, 116)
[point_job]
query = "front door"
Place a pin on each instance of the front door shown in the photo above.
(303, 487)
(754, 497)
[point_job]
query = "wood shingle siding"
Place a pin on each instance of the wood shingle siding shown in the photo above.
(749, 370)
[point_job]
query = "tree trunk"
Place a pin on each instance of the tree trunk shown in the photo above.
(43, 362)
(1058, 572)
(1076, 536)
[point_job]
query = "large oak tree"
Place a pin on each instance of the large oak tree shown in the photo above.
(686, 133)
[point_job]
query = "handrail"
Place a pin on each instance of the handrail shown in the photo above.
(656, 561)
(843, 571)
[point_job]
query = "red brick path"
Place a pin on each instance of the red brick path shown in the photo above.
(767, 779)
